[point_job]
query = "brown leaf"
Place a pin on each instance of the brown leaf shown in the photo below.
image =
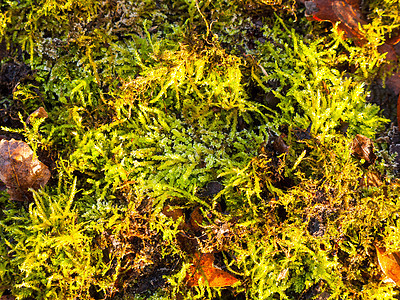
(349, 15)
(39, 113)
(394, 38)
(196, 218)
(345, 12)
(371, 179)
(20, 170)
(350, 19)
(203, 270)
(363, 148)
(389, 263)
(280, 146)
(174, 213)
(185, 238)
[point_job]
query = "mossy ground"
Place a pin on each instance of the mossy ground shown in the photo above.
(237, 114)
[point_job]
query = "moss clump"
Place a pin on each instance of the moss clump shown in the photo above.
(166, 140)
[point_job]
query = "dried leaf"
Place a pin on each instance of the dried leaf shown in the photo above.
(280, 146)
(203, 270)
(20, 170)
(350, 19)
(371, 179)
(363, 148)
(196, 218)
(39, 113)
(174, 213)
(389, 263)
(185, 239)
(345, 12)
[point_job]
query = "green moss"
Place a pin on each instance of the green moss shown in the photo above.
(148, 103)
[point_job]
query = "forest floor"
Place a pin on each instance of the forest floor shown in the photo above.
(199, 149)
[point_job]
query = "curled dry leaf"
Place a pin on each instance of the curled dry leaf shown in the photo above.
(39, 113)
(203, 270)
(20, 170)
(389, 263)
(345, 12)
(363, 148)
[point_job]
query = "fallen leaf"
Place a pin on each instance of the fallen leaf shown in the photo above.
(363, 148)
(280, 146)
(185, 238)
(20, 169)
(196, 218)
(389, 263)
(345, 12)
(203, 270)
(351, 20)
(39, 113)
(174, 213)
(371, 179)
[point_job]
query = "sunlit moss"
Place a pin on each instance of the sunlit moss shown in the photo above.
(149, 102)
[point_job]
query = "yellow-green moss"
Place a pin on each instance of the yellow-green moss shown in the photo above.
(148, 102)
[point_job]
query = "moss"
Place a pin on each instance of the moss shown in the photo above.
(149, 103)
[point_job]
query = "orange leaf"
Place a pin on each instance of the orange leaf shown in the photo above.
(20, 169)
(174, 213)
(196, 218)
(389, 263)
(204, 270)
(39, 113)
